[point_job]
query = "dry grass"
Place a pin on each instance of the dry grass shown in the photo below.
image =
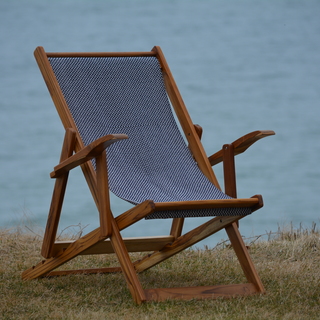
(289, 265)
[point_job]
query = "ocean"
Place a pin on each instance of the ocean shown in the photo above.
(240, 66)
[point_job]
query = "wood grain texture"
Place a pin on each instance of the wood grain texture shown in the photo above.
(83, 271)
(185, 241)
(127, 267)
(244, 257)
(64, 256)
(89, 152)
(229, 171)
(242, 144)
(141, 244)
(99, 54)
(188, 128)
(135, 214)
(176, 227)
(205, 292)
(57, 197)
(206, 204)
(103, 195)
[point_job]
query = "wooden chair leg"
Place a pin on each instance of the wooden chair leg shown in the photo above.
(127, 267)
(229, 171)
(57, 197)
(254, 286)
(244, 257)
(176, 227)
(103, 194)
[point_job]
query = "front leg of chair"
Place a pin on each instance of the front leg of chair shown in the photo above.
(103, 195)
(127, 267)
(229, 171)
(233, 229)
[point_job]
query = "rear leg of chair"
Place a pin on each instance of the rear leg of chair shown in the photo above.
(208, 292)
(57, 197)
(244, 257)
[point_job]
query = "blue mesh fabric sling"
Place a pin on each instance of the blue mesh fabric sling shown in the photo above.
(108, 95)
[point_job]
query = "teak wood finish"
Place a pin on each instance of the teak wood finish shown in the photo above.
(107, 239)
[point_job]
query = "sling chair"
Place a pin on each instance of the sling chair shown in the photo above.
(117, 110)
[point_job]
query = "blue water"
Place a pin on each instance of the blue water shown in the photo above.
(240, 66)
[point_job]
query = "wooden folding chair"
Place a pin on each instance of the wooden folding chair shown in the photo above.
(117, 110)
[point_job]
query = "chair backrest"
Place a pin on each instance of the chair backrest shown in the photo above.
(127, 94)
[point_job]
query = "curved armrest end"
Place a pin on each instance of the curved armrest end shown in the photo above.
(242, 144)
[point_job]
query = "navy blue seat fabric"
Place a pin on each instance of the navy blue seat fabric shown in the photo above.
(111, 95)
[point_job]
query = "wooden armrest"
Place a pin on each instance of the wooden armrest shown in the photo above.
(255, 201)
(241, 144)
(87, 153)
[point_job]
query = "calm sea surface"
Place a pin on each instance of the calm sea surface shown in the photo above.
(240, 66)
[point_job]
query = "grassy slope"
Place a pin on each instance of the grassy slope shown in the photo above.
(288, 265)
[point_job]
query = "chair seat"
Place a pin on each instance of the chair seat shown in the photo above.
(155, 163)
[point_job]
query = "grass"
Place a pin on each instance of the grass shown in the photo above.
(288, 264)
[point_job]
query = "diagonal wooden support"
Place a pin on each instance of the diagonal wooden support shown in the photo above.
(207, 292)
(64, 256)
(185, 241)
(123, 221)
(70, 250)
